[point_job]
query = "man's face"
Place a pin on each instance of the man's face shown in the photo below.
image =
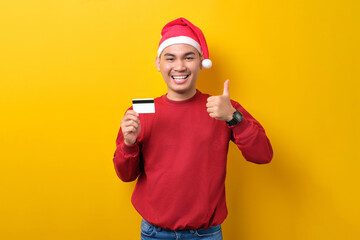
(179, 65)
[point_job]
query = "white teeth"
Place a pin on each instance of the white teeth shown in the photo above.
(179, 77)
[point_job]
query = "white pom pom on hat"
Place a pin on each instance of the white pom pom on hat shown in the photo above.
(206, 63)
(183, 31)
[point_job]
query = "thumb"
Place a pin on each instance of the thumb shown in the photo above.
(226, 89)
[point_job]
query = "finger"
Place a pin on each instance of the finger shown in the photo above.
(129, 129)
(212, 115)
(210, 99)
(213, 99)
(124, 124)
(213, 109)
(132, 112)
(132, 123)
(210, 104)
(226, 89)
(131, 118)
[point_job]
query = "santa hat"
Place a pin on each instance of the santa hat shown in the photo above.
(182, 31)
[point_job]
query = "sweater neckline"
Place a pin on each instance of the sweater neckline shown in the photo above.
(193, 98)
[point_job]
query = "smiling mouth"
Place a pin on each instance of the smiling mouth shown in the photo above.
(180, 79)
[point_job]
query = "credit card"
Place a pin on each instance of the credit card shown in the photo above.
(144, 105)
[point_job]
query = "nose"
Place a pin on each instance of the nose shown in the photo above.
(180, 66)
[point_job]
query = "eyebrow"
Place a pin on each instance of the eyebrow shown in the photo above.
(173, 55)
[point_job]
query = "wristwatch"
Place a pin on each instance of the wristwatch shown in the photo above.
(237, 117)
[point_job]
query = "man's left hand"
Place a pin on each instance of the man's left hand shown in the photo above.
(219, 107)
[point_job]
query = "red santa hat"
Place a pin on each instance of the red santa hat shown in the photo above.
(182, 31)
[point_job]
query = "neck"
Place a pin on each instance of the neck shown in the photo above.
(180, 96)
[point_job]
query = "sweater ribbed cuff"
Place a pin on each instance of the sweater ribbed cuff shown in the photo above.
(240, 127)
(130, 149)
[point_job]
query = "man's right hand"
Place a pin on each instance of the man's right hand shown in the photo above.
(131, 127)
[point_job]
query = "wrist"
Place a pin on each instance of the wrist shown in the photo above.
(129, 143)
(230, 116)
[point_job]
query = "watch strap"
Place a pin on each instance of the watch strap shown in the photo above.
(237, 118)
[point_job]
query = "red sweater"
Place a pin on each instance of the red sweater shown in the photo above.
(180, 161)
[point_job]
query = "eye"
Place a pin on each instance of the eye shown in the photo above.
(189, 58)
(169, 59)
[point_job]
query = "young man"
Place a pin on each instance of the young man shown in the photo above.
(179, 153)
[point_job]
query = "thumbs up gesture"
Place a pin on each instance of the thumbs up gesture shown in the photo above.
(219, 107)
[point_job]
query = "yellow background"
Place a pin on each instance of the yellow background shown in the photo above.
(69, 69)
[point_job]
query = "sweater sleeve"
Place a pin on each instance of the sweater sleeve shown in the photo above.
(126, 159)
(251, 139)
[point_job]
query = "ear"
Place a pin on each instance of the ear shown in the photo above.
(157, 63)
(201, 59)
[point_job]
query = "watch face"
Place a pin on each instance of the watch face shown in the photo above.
(237, 116)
